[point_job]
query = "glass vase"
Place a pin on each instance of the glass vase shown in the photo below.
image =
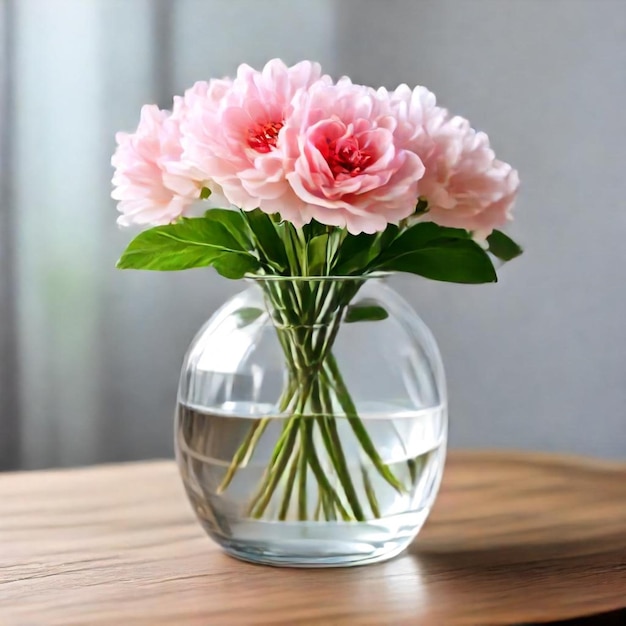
(311, 422)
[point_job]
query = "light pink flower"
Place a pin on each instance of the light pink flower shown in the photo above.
(149, 187)
(231, 134)
(417, 113)
(152, 184)
(464, 184)
(345, 162)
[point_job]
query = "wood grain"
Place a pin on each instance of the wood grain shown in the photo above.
(513, 538)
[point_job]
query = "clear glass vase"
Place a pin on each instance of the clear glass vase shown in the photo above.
(312, 421)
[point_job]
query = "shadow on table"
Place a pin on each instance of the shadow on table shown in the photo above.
(614, 618)
(529, 582)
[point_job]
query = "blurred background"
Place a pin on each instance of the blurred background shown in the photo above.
(90, 355)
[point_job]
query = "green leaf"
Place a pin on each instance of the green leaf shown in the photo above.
(246, 315)
(235, 265)
(502, 246)
(387, 236)
(354, 254)
(454, 261)
(313, 229)
(359, 252)
(365, 311)
(420, 235)
(286, 233)
(267, 238)
(234, 223)
(191, 242)
(316, 254)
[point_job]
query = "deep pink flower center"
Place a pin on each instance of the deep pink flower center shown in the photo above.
(263, 137)
(345, 157)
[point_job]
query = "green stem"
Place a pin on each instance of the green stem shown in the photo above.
(370, 493)
(322, 479)
(330, 437)
(258, 506)
(291, 479)
(318, 506)
(244, 452)
(330, 512)
(302, 470)
(357, 425)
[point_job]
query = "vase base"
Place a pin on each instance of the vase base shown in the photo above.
(322, 544)
(312, 562)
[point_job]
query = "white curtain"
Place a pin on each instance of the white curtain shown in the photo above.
(9, 417)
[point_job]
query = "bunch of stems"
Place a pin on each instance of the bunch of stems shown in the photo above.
(307, 315)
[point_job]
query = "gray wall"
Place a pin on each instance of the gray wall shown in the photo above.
(537, 361)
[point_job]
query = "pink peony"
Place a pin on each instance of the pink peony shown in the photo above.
(416, 112)
(233, 139)
(344, 160)
(153, 185)
(149, 185)
(467, 186)
(464, 184)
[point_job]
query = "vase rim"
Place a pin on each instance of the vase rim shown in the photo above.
(282, 279)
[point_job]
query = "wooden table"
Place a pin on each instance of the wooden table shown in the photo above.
(514, 538)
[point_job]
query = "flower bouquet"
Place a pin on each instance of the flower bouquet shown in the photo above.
(313, 189)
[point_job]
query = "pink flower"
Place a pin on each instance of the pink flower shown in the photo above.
(149, 185)
(231, 134)
(464, 184)
(287, 140)
(344, 160)
(417, 113)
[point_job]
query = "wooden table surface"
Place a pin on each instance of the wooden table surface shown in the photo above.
(514, 538)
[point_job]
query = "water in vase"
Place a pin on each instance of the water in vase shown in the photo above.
(309, 513)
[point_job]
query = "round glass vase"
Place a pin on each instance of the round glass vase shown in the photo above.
(311, 422)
